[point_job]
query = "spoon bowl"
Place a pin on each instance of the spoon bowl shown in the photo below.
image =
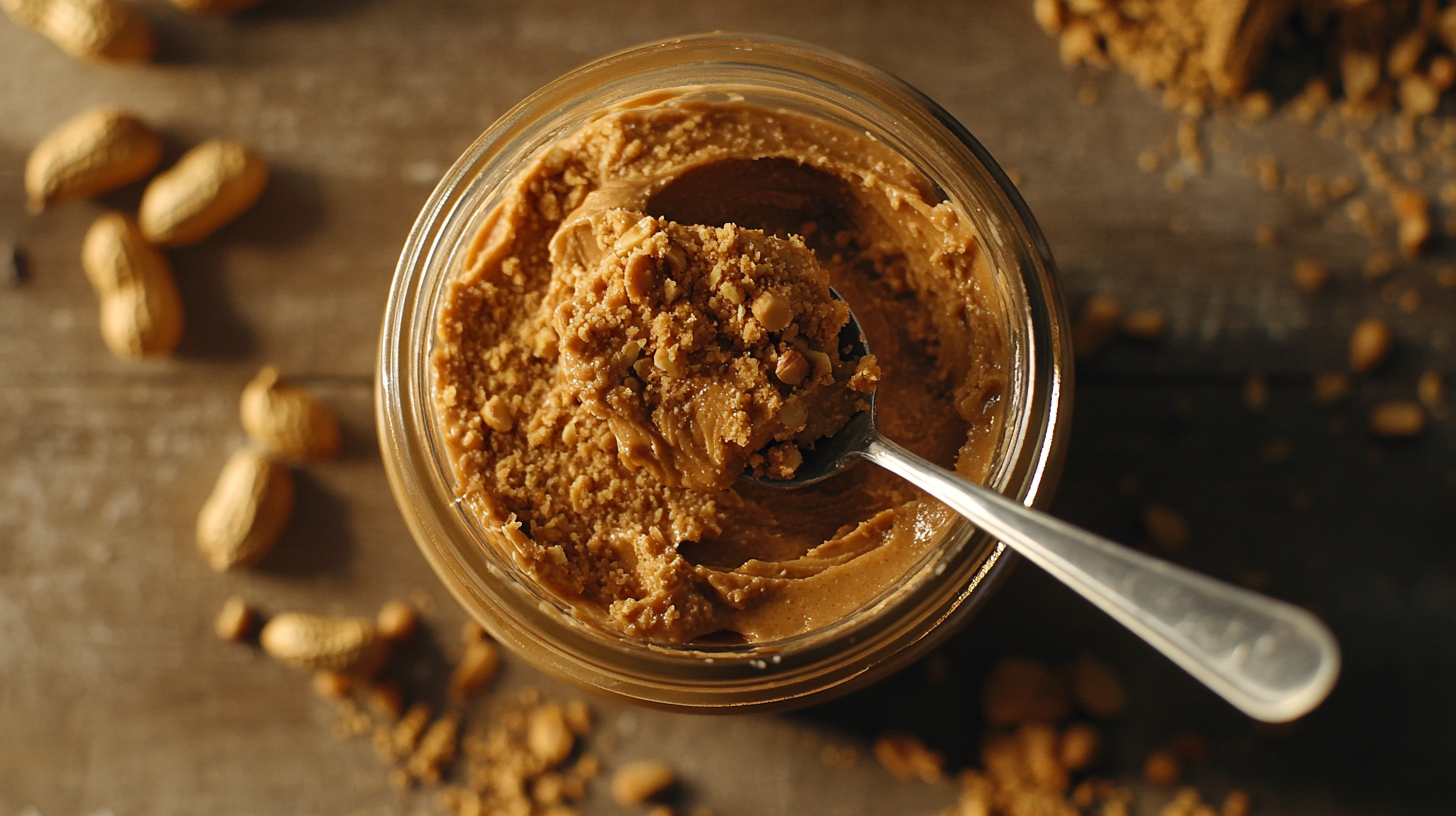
(1272, 660)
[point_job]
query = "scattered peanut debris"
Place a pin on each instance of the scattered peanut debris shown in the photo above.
(1311, 275)
(1413, 220)
(1096, 688)
(332, 685)
(548, 735)
(1378, 266)
(235, 621)
(1021, 690)
(907, 758)
(1146, 324)
(477, 667)
(436, 749)
(640, 781)
(1236, 804)
(1276, 450)
(1370, 345)
(1081, 743)
(1188, 147)
(385, 699)
(1097, 325)
(1256, 393)
(396, 621)
(1162, 768)
(1397, 418)
(1431, 390)
(1165, 526)
(1331, 387)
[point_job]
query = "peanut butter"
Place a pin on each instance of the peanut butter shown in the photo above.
(644, 314)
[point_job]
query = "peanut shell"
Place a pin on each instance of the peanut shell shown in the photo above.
(141, 309)
(339, 644)
(208, 187)
(89, 154)
(96, 30)
(242, 518)
(287, 420)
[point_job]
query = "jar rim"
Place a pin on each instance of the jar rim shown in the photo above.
(755, 676)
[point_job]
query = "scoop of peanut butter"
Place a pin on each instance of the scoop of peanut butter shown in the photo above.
(709, 350)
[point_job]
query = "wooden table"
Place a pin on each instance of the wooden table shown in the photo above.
(116, 697)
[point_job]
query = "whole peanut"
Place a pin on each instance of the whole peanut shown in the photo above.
(287, 420)
(242, 518)
(98, 30)
(209, 186)
(338, 644)
(141, 310)
(88, 154)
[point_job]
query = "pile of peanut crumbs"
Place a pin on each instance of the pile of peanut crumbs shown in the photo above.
(1383, 66)
(1036, 755)
(518, 754)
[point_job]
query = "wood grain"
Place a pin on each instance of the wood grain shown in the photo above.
(114, 693)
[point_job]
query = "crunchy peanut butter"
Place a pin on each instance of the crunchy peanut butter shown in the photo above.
(607, 474)
(702, 345)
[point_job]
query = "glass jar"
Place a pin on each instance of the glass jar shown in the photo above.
(934, 597)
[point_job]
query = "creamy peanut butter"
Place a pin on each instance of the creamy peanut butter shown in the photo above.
(645, 313)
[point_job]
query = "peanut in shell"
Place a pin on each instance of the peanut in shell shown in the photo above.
(247, 510)
(141, 309)
(319, 642)
(208, 187)
(95, 30)
(287, 420)
(89, 154)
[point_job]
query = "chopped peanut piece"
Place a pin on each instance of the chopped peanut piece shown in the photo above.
(1370, 345)
(641, 781)
(1397, 418)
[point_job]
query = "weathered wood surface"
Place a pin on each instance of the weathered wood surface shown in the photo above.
(115, 695)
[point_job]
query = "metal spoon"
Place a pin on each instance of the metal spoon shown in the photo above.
(1272, 660)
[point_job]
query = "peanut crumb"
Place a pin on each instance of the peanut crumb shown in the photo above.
(907, 758)
(1165, 527)
(236, 620)
(640, 781)
(1397, 418)
(1310, 274)
(1370, 345)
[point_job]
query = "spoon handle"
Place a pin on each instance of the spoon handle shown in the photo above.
(1273, 660)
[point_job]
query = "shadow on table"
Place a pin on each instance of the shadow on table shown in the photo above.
(1357, 530)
